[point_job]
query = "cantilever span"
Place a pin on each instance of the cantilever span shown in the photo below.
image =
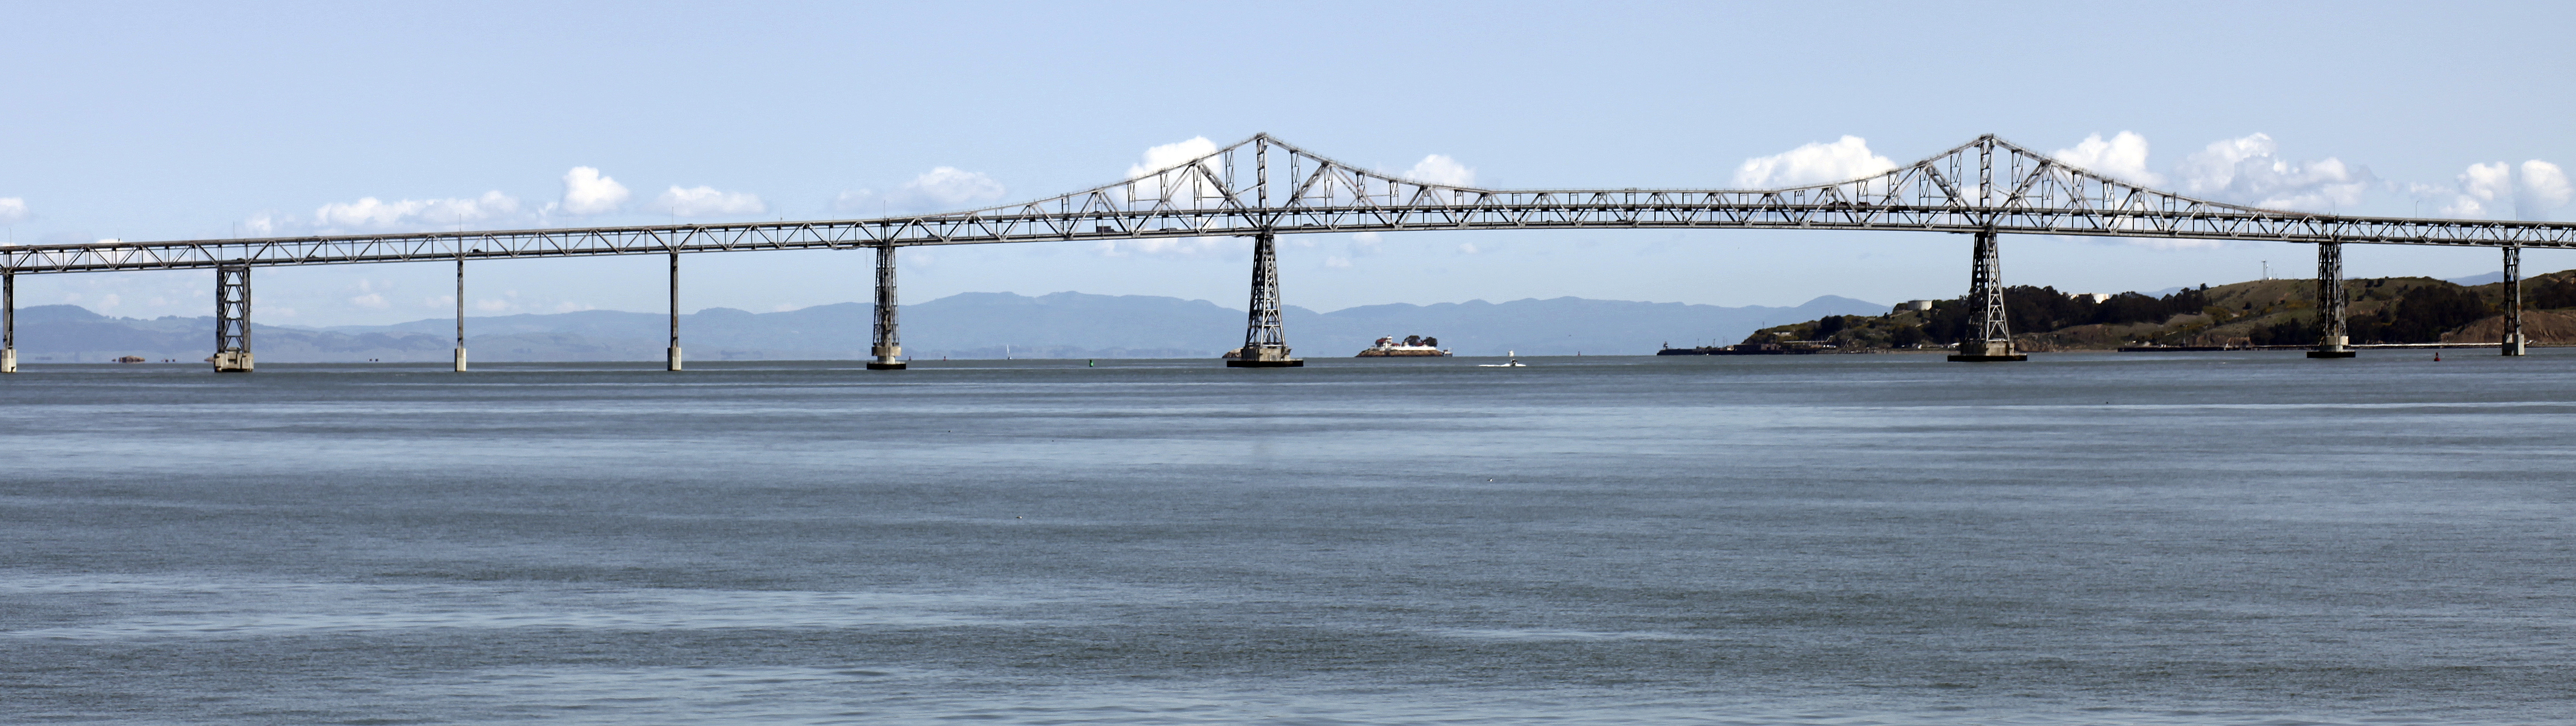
(1262, 187)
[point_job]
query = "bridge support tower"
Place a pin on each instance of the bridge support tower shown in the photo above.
(1989, 337)
(232, 318)
(1264, 346)
(2331, 339)
(673, 362)
(887, 346)
(8, 322)
(460, 311)
(2513, 340)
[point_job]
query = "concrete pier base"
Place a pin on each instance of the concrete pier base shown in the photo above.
(232, 361)
(2334, 346)
(2513, 344)
(888, 358)
(675, 359)
(8, 360)
(1264, 356)
(1987, 351)
(460, 360)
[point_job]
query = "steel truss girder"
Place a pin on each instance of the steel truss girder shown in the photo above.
(1984, 185)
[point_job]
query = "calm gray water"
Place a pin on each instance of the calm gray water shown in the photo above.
(2249, 538)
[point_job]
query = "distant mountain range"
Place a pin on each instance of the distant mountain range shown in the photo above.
(965, 326)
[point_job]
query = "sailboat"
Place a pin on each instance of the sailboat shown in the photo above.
(1514, 361)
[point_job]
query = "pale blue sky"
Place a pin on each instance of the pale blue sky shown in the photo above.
(148, 121)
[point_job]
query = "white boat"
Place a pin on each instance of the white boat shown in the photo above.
(1513, 361)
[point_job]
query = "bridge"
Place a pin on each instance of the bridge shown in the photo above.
(1263, 187)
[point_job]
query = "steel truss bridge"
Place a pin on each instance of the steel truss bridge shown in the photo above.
(1262, 187)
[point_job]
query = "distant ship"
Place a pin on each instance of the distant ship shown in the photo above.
(1412, 345)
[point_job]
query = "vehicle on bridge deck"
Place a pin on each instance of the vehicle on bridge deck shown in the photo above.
(1413, 345)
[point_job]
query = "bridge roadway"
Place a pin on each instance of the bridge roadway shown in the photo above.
(1985, 188)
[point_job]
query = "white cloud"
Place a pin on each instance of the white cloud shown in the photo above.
(1171, 155)
(491, 306)
(944, 188)
(586, 192)
(950, 186)
(109, 301)
(707, 202)
(1845, 159)
(1187, 191)
(1467, 247)
(368, 296)
(1337, 262)
(1442, 170)
(2124, 157)
(2543, 186)
(373, 212)
(569, 306)
(13, 209)
(1367, 238)
(2248, 170)
(1171, 246)
(2478, 186)
(2535, 187)
(2153, 243)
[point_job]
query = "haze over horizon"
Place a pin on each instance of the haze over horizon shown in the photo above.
(217, 122)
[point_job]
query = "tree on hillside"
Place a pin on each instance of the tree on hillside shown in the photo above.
(2421, 315)
(2549, 294)
(2030, 309)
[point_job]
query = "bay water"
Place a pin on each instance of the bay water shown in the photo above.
(2184, 538)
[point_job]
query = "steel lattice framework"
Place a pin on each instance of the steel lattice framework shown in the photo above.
(1984, 185)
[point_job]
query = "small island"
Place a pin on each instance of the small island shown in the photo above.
(2260, 314)
(1411, 346)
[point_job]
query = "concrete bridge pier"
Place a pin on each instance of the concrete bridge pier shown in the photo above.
(2513, 340)
(1264, 346)
(232, 318)
(1989, 337)
(887, 346)
(2331, 340)
(673, 362)
(8, 321)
